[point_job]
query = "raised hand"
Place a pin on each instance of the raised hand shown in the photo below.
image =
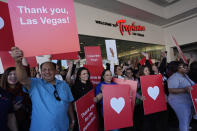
(112, 52)
(145, 54)
(16, 54)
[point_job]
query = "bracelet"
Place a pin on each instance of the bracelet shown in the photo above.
(73, 121)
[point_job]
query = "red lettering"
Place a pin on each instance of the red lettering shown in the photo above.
(129, 28)
(121, 26)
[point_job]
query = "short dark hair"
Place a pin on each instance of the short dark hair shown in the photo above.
(53, 64)
(181, 64)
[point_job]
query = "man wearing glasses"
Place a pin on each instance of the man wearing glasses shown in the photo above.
(51, 98)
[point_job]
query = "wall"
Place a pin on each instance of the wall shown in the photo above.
(87, 15)
(184, 32)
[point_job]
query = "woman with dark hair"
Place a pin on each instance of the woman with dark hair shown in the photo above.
(82, 83)
(106, 78)
(179, 97)
(152, 122)
(21, 101)
(139, 110)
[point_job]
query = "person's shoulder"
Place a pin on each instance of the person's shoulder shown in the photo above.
(113, 83)
(174, 76)
(62, 83)
(99, 84)
(35, 79)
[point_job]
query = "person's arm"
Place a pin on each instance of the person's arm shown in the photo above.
(69, 73)
(71, 115)
(112, 63)
(99, 94)
(98, 97)
(12, 122)
(179, 90)
(21, 73)
(174, 84)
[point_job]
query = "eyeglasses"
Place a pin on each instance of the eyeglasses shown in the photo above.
(56, 94)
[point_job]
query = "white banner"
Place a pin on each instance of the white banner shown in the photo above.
(111, 51)
(1, 67)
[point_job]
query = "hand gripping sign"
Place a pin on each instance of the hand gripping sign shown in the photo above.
(117, 104)
(44, 27)
(87, 113)
(153, 90)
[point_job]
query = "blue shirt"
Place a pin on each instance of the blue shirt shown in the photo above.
(179, 81)
(98, 90)
(49, 114)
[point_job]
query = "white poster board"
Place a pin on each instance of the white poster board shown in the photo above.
(111, 51)
(1, 67)
(43, 58)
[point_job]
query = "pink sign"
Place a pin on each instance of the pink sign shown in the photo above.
(66, 56)
(117, 104)
(44, 27)
(95, 74)
(194, 96)
(153, 90)
(179, 50)
(32, 61)
(93, 55)
(87, 113)
(6, 36)
(7, 60)
(133, 87)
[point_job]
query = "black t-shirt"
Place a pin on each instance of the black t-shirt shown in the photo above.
(5, 109)
(80, 89)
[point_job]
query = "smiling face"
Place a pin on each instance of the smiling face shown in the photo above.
(155, 69)
(84, 76)
(107, 76)
(48, 72)
(12, 80)
(146, 71)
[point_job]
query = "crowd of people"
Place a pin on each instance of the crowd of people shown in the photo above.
(43, 100)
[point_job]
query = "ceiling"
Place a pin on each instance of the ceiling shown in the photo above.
(125, 8)
(164, 3)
